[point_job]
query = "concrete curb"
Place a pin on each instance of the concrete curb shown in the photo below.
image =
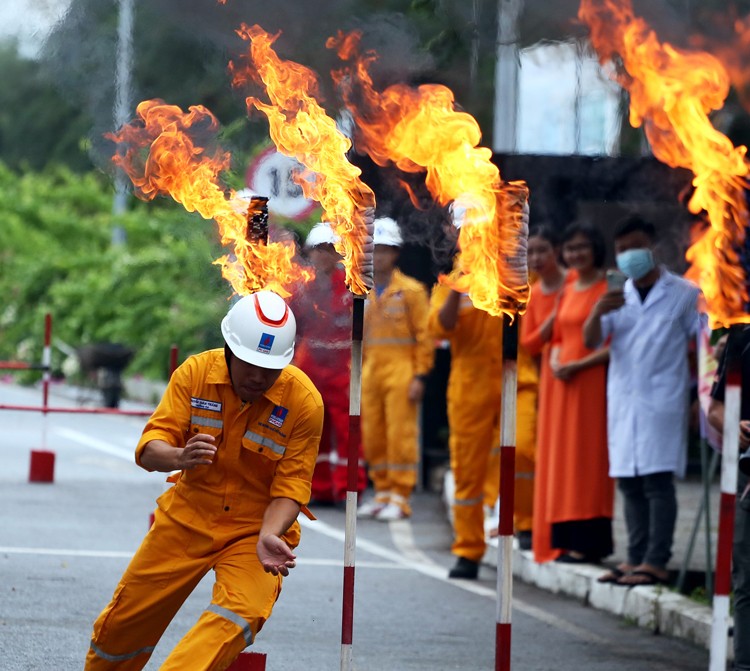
(655, 608)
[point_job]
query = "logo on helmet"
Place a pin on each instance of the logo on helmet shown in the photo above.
(278, 415)
(266, 343)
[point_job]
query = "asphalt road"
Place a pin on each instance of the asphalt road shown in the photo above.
(64, 545)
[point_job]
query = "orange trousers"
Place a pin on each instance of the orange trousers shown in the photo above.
(170, 563)
(390, 431)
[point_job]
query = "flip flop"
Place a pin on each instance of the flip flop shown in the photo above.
(644, 578)
(611, 576)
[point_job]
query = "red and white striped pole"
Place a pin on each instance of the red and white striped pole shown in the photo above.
(729, 457)
(365, 268)
(507, 493)
(42, 461)
(352, 467)
(515, 273)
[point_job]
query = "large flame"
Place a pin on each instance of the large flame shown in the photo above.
(672, 93)
(159, 152)
(300, 128)
(419, 130)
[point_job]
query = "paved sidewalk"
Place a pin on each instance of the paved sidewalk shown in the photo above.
(662, 609)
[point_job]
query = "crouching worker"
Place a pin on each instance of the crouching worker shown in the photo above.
(243, 428)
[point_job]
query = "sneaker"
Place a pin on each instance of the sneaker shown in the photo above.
(465, 568)
(369, 509)
(390, 513)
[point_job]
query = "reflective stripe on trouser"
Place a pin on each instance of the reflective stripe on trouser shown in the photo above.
(523, 500)
(389, 425)
(160, 577)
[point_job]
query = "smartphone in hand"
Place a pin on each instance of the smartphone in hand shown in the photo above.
(615, 280)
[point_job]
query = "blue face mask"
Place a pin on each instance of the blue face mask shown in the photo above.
(636, 263)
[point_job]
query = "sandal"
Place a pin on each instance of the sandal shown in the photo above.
(611, 576)
(638, 578)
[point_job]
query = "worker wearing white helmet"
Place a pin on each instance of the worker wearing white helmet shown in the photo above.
(324, 318)
(397, 356)
(242, 427)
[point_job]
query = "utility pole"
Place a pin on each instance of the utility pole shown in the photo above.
(507, 66)
(122, 109)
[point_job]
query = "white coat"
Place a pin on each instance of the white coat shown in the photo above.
(648, 382)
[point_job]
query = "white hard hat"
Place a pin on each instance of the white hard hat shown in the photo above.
(387, 232)
(260, 329)
(321, 234)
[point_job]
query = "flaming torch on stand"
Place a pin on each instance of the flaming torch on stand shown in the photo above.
(300, 128)
(418, 130)
(672, 92)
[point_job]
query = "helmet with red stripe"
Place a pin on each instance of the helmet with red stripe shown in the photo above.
(260, 329)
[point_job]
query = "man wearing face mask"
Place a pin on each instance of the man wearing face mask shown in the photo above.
(650, 324)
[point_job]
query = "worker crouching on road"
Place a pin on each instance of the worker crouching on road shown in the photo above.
(323, 309)
(398, 354)
(243, 428)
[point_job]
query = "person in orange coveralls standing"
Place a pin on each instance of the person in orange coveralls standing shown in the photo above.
(323, 309)
(398, 354)
(243, 429)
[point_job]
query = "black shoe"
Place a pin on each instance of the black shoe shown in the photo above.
(524, 540)
(465, 568)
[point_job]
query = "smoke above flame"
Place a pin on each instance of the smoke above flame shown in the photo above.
(672, 93)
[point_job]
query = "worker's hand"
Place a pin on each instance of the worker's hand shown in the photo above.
(198, 451)
(275, 555)
(416, 390)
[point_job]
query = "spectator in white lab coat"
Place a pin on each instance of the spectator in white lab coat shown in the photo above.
(650, 323)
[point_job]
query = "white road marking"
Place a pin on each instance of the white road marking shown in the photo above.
(106, 554)
(100, 445)
(416, 560)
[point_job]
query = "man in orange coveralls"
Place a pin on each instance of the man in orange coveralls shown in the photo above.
(323, 309)
(398, 354)
(243, 428)
(474, 402)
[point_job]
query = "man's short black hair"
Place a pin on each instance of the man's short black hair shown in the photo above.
(594, 236)
(633, 223)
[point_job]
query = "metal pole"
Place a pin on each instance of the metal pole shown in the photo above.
(122, 104)
(730, 455)
(355, 399)
(507, 492)
(507, 66)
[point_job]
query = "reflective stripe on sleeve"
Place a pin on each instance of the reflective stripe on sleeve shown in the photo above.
(241, 622)
(121, 658)
(207, 421)
(265, 441)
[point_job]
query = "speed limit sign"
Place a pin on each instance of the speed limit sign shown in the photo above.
(272, 174)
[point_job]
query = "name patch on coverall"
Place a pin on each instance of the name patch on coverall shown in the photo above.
(204, 404)
(278, 415)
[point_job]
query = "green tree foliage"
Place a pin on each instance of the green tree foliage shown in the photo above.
(55, 256)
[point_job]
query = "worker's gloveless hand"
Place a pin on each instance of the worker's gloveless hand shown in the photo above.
(275, 555)
(198, 451)
(416, 390)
